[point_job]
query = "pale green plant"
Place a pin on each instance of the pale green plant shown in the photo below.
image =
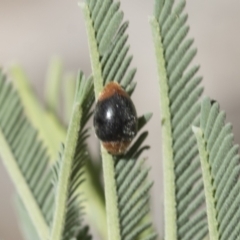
(55, 176)
(179, 94)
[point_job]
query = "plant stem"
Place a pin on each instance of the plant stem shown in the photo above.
(64, 174)
(107, 160)
(167, 142)
(46, 122)
(110, 196)
(53, 85)
(93, 48)
(208, 187)
(23, 189)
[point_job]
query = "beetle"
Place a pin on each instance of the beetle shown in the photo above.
(115, 119)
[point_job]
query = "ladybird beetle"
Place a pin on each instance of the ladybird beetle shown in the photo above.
(115, 119)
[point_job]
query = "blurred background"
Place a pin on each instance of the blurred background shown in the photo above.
(31, 32)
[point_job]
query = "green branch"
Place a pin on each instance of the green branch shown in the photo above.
(168, 164)
(208, 186)
(64, 175)
(93, 48)
(22, 188)
(110, 196)
(47, 122)
(108, 161)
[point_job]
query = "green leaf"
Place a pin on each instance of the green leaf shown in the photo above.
(41, 119)
(45, 122)
(179, 105)
(69, 167)
(220, 166)
(110, 62)
(53, 83)
(25, 159)
(27, 163)
(133, 198)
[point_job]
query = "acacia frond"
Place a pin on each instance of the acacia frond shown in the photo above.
(220, 164)
(179, 94)
(37, 115)
(133, 198)
(69, 169)
(133, 190)
(110, 62)
(25, 159)
(45, 121)
(111, 41)
(27, 162)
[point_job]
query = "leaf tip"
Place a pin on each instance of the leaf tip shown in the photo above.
(196, 130)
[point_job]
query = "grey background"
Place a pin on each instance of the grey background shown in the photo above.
(31, 32)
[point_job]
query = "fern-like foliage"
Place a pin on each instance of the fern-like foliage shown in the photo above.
(21, 148)
(27, 163)
(180, 91)
(40, 117)
(220, 163)
(85, 96)
(110, 62)
(133, 191)
(111, 39)
(46, 120)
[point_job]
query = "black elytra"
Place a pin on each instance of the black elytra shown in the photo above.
(115, 117)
